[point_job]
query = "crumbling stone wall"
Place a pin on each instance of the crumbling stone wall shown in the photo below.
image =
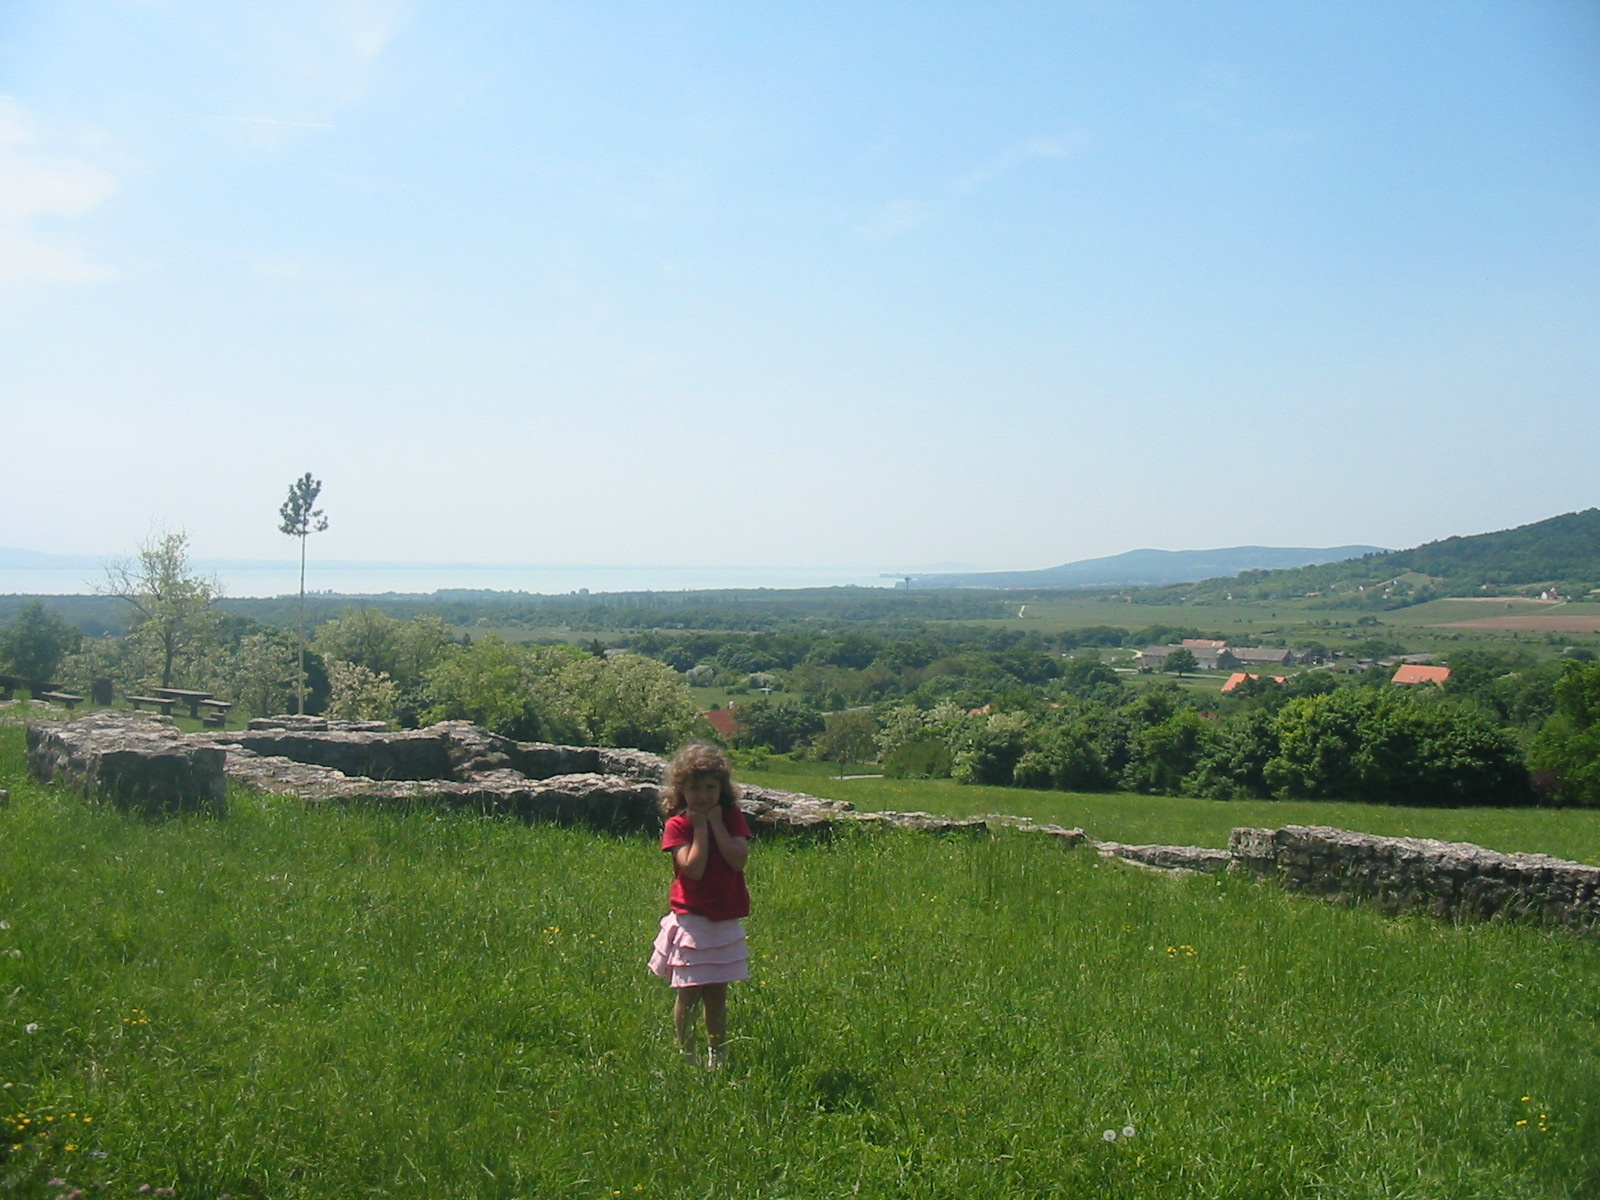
(1448, 879)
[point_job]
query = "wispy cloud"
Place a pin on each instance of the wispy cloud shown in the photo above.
(370, 26)
(35, 183)
(898, 216)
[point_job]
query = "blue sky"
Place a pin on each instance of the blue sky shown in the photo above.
(998, 284)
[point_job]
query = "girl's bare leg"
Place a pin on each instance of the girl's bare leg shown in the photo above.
(716, 1001)
(685, 1007)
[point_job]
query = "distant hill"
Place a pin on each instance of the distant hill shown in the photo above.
(12, 559)
(1563, 552)
(1148, 568)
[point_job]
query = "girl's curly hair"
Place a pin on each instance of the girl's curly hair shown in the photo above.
(695, 760)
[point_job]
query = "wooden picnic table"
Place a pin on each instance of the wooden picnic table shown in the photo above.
(185, 696)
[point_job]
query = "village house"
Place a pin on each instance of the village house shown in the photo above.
(722, 720)
(1421, 673)
(1238, 678)
(1264, 655)
(1208, 657)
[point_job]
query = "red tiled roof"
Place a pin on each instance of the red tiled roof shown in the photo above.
(1239, 677)
(722, 720)
(1417, 673)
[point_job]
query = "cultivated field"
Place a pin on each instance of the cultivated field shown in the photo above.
(309, 1003)
(1543, 624)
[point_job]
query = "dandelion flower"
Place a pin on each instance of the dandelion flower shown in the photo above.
(1109, 1135)
(1128, 1131)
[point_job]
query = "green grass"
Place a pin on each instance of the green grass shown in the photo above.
(298, 1002)
(1178, 820)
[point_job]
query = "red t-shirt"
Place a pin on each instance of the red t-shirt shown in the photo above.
(719, 894)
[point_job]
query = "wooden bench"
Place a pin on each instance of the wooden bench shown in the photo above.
(66, 698)
(139, 702)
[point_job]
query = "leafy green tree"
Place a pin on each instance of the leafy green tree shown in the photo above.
(914, 743)
(1165, 754)
(35, 641)
(626, 700)
(263, 672)
(1090, 677)
(1566, 753)
(363, 635)
(561, 694)
(777, 725)
(300, 518)
(1063, 753)
(1233, 765)
(848, 737)
(490, 683)
(1389, 745)
(988, 748)
(1181, 661)
(174, 610)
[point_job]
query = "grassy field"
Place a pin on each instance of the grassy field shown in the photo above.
(1178, 820)
(300, 1002)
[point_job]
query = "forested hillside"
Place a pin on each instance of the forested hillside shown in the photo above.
(1561, 552)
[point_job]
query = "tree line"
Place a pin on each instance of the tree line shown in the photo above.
(973, 703)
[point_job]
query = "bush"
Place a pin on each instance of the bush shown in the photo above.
(926, 759)
(1566, 752)
(1388, 745)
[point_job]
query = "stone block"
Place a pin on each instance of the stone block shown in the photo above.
(145, 765)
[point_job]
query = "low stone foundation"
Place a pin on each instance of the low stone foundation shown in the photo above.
(143, 762)
(136, 759)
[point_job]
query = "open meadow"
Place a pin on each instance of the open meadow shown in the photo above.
(298, 1002)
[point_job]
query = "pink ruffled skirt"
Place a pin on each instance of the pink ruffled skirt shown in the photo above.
(691, 951)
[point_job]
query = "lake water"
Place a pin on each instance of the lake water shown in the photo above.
(365, 579)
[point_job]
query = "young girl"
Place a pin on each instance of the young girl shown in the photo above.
(701, 947)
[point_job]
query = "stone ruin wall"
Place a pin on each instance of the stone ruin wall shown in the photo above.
(143, 762)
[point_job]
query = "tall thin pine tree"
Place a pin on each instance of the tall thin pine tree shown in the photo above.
(301, 518)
